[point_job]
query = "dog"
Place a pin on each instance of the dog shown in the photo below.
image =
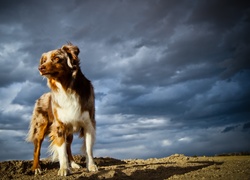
(68, 108)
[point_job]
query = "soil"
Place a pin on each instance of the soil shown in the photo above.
(176, 166)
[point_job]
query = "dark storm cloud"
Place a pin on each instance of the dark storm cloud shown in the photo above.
(226, 14)
(28, 93)
(230, 20)
(167, 74)
(14, 121)
(230, 128)
(246, 126)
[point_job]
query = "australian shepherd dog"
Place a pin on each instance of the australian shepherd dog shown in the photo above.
(69, 108)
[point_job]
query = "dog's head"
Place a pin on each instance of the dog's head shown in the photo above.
(60, 62)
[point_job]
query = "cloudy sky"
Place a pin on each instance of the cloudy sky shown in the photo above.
(169, 76)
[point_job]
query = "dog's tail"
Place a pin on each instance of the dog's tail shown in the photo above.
(40, 118)
(29, 137)
(53, 152)
(34, 124)
(32, 129)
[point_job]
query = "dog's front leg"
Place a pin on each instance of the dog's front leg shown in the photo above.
(59, 146)
(70, 157)
(89, 135)
(63, 160)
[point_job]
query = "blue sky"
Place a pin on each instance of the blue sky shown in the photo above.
(169, 76)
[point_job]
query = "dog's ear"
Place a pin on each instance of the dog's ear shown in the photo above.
(72, 51)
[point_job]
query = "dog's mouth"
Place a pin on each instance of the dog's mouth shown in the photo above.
(44, 73)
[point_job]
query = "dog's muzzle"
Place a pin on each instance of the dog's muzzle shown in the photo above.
(42, 69)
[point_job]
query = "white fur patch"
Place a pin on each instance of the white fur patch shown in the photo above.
(89, 141)
(63, 156)
(69, 110)
(75, 165)
(53, 151)
(69, 63)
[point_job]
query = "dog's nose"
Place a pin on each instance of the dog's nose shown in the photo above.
(41, 68)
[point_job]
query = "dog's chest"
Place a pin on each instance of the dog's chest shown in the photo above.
(68, 107)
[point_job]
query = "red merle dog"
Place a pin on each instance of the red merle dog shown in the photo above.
(69, 108)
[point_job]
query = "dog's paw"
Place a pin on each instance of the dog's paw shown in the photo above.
(63, 172)
(38, 171)
(92, 167)
(75, 165)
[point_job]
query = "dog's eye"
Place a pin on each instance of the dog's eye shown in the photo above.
(57, 60)
(43, 61)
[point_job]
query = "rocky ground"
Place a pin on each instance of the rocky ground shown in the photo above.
(173, 167)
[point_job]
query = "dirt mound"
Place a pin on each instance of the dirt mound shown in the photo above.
(176, 166)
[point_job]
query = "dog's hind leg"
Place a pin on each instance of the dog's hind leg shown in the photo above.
(73, 164)
(39, 127)
(39, 137)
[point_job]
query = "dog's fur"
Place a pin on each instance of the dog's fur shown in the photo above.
(69, 108)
